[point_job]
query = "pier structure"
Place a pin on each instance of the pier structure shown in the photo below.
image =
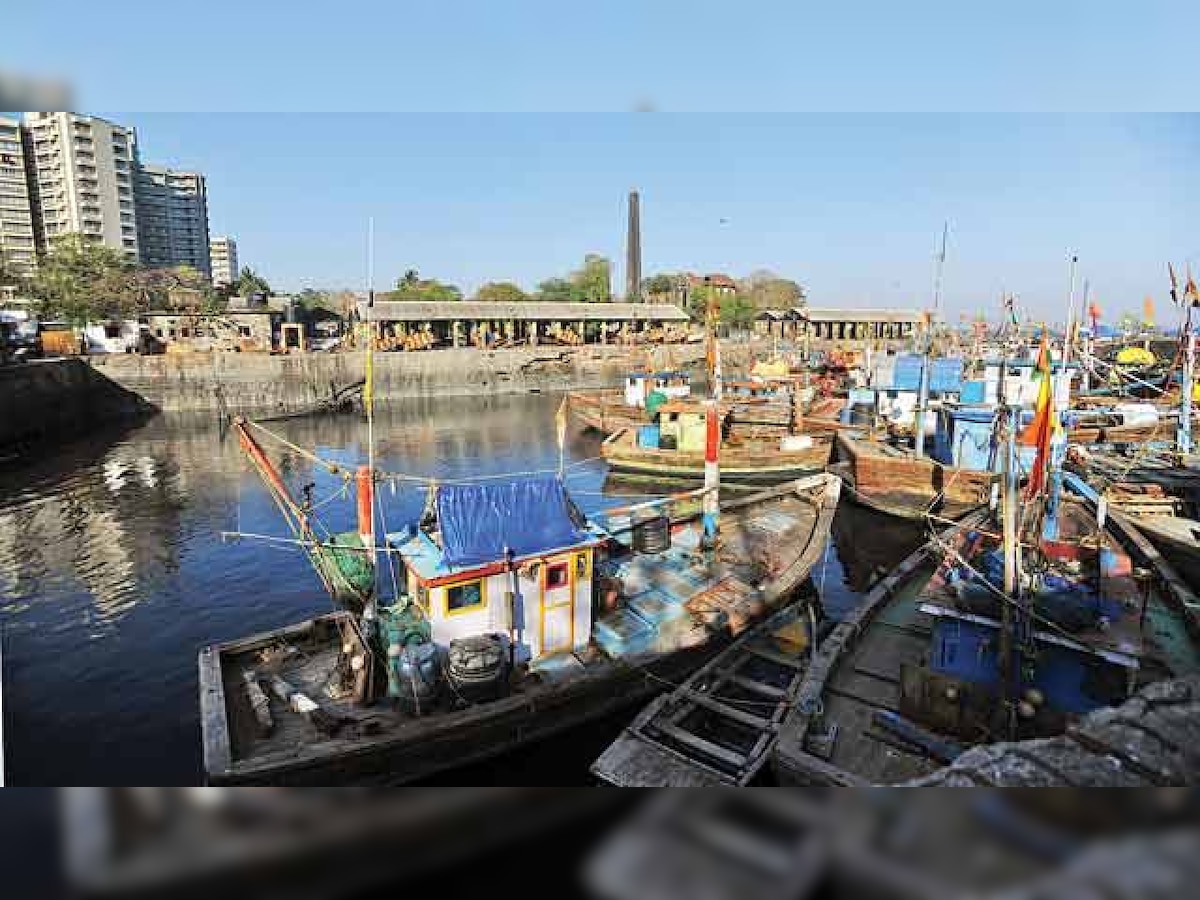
(833, 326)
(488, 325)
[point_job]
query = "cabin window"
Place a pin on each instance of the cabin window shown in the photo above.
(467, 597)
(582, 567)
(112, 331)
(557, 576)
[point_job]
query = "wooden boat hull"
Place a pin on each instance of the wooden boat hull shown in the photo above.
(604, 410)
(896, 483)
(863, 667)
(407, 748)
(757, 462)
(1175, 537)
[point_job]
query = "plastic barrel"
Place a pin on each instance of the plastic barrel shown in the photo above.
(668, 442)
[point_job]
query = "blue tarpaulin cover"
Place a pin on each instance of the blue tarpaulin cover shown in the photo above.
(529, 516)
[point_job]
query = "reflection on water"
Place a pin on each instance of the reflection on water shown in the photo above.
(113, 572)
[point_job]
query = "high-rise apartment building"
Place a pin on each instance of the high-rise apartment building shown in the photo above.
(172, 218)
(224, 260)
(81, 179)
(17, 246)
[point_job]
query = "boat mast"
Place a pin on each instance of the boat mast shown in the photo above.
(1070, 336)
(1009, 511)
(366, 481)
(1184, 435)
(923, 396)
(711, 504)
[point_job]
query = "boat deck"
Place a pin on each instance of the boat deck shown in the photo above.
(684, 602)
(862, 674)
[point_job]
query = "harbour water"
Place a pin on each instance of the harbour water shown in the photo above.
(114, 572)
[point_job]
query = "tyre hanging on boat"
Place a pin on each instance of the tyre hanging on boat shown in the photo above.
(478, 667)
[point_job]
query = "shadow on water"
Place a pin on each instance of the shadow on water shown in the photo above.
(113, 572)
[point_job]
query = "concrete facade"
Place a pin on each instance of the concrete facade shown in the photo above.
(223, 256)
(81, 176)
(273, 384)
(172, 218)
(17, 243)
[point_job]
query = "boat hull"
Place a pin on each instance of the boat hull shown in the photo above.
(405, 748)
(896, 483)
(758, 462)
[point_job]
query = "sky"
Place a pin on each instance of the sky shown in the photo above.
(820, 140)
(852, 206)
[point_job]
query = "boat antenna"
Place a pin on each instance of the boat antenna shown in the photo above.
(1069, 336)
(923, 395)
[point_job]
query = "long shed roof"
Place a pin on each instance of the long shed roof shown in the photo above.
(470, 310)
(829, 314)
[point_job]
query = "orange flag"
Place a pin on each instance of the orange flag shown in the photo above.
(1042, 427)
(1148, 311)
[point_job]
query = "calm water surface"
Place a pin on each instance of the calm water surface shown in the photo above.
(114, 572)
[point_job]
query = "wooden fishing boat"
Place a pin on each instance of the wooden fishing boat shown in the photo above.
(1159, 492)
(607, 409)
(719, 727)
(895, 481)
(912, 677)
(608, 631)
(755, 461)
(604, 410)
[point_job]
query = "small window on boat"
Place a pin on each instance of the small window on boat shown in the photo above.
(581, 566)
(556, 575)
(464, 597)
(423, 597)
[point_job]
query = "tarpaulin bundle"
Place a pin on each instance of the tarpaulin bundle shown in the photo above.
(528, 516)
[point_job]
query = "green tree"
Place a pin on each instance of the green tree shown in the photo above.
(766, 290)
(501, 292)
(555, 290)
(81, 281)
(177, 287)
(658, 286)
(250, 282)
(412, 287)
(593, 282)
(738, 310)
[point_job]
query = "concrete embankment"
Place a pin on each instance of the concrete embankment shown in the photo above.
(258, 383)
(49, 401)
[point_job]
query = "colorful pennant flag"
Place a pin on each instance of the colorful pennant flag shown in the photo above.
(1044, 423)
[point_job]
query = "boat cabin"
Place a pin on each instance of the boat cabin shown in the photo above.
(682, 425)
(640, 385)
(513, 557)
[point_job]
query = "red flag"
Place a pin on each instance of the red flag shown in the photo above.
(1042, 427)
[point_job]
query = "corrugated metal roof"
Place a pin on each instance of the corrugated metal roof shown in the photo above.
(469, 311)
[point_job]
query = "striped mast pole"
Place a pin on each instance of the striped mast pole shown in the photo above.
(711, 504)
(365, 479)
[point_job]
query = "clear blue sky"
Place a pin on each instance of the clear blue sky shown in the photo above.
(849, 205)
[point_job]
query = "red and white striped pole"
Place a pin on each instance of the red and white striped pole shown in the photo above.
(711, 505)
(366, 506)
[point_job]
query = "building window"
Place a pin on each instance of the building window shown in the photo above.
(467, 597)
(557, 576)
(243, 331)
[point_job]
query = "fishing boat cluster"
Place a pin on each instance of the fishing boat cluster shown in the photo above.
(1057, 581)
